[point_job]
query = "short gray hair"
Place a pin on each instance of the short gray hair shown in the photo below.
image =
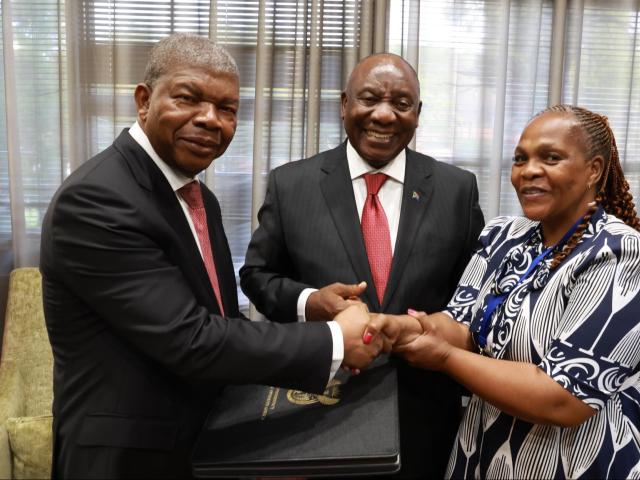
(189, 50)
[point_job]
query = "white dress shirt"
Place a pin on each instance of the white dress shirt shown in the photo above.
(390, 196)
(178, 180)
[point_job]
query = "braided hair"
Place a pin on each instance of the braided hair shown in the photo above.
(612, 189)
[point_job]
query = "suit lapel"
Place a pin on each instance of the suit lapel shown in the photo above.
(185, 252)
(337, 189)
(417, 191)
(221, 254)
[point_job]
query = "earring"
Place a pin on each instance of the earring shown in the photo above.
(589, 186)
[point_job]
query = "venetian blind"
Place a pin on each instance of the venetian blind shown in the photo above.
(467, 71)
(602, 72)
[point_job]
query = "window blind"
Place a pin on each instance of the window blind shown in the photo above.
(602, 73)
(458, 50)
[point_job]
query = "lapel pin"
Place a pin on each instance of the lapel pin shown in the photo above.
(415, 196)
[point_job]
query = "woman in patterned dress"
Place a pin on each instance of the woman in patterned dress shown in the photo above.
(544, 327)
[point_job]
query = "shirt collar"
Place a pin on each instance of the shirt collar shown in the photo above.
(359, 167)
(175, 178)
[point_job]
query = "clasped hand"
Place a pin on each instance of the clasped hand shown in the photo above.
(419, 338)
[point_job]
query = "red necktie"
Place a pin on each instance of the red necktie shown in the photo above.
(375, 231)
(192, 194)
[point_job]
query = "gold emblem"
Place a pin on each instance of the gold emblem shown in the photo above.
(330, 396)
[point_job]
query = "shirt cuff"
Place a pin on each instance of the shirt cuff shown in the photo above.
(338, 348)
(302, 303)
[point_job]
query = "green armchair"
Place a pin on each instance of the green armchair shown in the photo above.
(26, 383)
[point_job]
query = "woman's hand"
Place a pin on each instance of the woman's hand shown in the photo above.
(440, 334)
(430, 349)
(393, 329)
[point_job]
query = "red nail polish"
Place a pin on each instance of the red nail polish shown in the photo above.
(366, 338)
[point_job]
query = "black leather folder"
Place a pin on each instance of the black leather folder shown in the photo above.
(352, 429)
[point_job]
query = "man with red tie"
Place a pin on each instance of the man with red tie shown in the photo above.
(372, 210)
(139, 288)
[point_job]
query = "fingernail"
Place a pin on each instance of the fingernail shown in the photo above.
(366, 338)
(411, 311)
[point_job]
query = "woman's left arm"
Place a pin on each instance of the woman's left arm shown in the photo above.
(519, 389)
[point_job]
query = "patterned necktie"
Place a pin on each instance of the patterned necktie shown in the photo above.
(192, 194)
(375, 231)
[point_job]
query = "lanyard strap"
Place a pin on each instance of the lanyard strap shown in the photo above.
(494, 301)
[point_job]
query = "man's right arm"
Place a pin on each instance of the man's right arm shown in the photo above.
(128, 282)
(267, 274)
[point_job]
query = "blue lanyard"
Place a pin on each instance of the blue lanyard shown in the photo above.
(494, 301)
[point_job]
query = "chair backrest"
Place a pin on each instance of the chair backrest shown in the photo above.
(26, 344)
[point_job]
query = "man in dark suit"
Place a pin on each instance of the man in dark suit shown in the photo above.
(139, 289)
(316, 232)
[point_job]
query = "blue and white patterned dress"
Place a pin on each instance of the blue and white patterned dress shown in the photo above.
(580, 324)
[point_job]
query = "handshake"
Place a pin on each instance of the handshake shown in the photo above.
(366, 334)
(422, 340)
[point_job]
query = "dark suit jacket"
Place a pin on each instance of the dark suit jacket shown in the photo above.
(140, 350)
(309, 236)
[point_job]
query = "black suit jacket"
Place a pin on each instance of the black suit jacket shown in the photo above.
(140, 350)
(309, 236)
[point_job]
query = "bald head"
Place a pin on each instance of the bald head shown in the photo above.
(380, 107)
(384, 61)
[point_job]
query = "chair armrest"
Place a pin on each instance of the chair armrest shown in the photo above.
(11, 405)
(5, 454)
